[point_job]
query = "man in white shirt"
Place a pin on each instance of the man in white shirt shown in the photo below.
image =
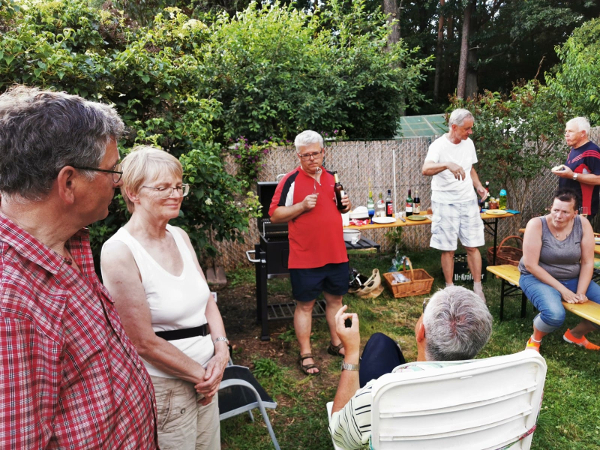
(454, 327)
(449, 162)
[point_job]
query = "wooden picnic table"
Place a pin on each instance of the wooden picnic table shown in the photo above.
(490, 222)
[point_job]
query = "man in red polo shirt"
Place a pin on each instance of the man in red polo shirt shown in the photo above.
(318, 260)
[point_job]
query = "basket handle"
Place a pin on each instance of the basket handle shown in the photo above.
(407, 260)
(507, 238)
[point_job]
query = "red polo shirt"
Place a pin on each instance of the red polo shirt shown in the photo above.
(316, 236)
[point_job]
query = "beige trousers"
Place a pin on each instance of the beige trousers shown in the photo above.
(184, 424)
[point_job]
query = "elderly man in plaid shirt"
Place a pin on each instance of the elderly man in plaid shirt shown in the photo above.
(69, 376)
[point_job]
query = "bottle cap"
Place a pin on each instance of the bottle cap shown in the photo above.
(503, 192)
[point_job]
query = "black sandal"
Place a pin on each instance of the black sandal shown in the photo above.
(305, 368)
(335, 349)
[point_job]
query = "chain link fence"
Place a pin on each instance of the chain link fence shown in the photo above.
(394, 165)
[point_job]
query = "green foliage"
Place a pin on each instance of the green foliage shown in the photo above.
(188, 87)
(249, 157)
(578, 76)
(212, 210)
(266, 368)
(516, 136)
(278, 71)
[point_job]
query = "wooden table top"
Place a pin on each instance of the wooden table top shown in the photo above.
(408, 223)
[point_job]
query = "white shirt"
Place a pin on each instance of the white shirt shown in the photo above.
(175, 302)
(445, 188)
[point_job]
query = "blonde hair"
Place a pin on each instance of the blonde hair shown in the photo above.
(145, 164)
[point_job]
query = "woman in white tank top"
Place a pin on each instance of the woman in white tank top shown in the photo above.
(160, 292)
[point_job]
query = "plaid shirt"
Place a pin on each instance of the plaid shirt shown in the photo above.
(69, 375)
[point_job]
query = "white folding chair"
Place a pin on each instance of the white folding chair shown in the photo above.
(485, 404)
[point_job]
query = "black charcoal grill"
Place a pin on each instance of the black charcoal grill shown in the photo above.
(271, 260)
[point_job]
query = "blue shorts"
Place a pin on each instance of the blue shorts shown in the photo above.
(307, 284)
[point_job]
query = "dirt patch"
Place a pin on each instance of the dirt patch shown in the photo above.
(238, 308)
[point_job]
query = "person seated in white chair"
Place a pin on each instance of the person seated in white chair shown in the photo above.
(454, 327)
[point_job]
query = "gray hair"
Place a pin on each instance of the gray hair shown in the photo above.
(308, 137)
(581, 123)
(457, 325)
(43, 131)
(459, 116)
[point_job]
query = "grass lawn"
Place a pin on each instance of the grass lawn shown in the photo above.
(570, 415)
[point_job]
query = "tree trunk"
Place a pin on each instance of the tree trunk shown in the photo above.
(391, 11)
(464, 51)
(438, 56)
(471, 86)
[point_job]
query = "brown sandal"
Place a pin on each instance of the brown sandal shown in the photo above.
(335, 349)
(305, 368)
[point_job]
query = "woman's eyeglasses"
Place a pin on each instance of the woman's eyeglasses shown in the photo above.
(166, 192)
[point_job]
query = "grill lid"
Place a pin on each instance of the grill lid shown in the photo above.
(265, 191)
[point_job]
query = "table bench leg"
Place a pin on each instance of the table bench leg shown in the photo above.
(507, 290)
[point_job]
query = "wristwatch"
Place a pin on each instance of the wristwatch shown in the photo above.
(346, 366)
(221, 338)
(575, 176)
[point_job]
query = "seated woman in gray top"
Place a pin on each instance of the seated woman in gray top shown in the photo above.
(557, 264)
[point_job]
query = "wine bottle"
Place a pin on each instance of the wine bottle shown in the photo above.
(389, 205)
(416, 203)
(339, 192)
(409, 204)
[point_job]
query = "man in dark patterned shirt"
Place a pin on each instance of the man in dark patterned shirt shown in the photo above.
(69, 376)
(581, 171)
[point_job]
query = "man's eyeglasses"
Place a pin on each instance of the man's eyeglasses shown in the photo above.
(117, 171)
(425, 302)
(307, 156)
(166, 192)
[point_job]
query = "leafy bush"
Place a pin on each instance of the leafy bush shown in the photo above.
(278, 71)
(189, 86)
(578, 76)
(517, 136)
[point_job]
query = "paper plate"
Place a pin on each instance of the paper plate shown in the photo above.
(496, 212)
(416, 217)
(383, 220)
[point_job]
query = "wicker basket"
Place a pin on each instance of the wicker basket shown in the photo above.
(420, 281)
(506, 254)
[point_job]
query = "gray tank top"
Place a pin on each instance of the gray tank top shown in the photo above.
(561, 259)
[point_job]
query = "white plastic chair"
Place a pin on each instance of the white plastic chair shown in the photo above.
(486, 404)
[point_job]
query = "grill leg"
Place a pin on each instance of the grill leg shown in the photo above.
(261, 294)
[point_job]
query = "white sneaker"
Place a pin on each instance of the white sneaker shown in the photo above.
(479, 291)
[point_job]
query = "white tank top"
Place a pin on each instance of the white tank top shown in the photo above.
(175, 302)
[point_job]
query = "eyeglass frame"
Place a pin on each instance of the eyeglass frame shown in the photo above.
(114, 172)
(185, 189)
(308, 156)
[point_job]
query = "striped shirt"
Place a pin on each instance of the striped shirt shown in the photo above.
(350, 427)
(69, 376)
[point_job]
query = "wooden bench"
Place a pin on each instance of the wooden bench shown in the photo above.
(510, 285)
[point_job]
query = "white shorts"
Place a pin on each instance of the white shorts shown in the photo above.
(458, 221)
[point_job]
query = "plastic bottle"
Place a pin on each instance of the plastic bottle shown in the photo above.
(502, 199)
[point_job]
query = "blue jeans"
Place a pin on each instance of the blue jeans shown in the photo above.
(548, 300)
